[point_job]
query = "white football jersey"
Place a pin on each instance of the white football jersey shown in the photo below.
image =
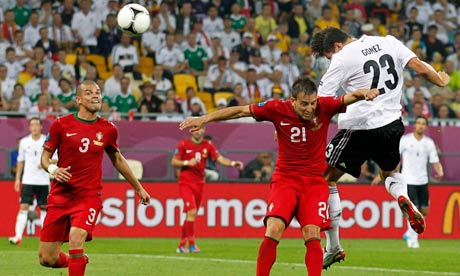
(416, 155)
(30, 152)
(369, 62)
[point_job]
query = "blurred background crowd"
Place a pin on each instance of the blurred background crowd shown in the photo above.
(202, 55)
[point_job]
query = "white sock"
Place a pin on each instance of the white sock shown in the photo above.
(335, 210)
(410, 232)
(396, 185)
(42, 217)
(21, 221)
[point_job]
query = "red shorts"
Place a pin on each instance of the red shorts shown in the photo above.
(191, 195)
(59, 220)
(302, 197)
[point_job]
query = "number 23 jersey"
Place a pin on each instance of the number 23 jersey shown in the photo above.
(301, 143)
(81, 145)
(368, 62)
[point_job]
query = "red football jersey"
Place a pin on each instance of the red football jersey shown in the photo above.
(187, 150)
(301, 144)
(80, 145)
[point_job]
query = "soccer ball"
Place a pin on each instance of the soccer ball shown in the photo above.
(133, 19)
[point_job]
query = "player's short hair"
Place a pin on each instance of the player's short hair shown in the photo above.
(35, 119)
(323, 41)
(423, 118)
(85, 83)
(303, 85)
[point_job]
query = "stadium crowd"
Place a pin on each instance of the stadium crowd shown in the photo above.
(203, 55)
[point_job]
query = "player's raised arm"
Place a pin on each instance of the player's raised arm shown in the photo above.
(360, 94)
(428, 72)
(233, 112)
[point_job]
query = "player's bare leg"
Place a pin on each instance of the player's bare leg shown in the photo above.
(333, 252)
(314, 254)
(50, 255)
(396, 185)
(77, 257)
(188, 233)
(267, 250)
(21, 222)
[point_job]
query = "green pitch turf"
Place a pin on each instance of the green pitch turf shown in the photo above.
(224, 257)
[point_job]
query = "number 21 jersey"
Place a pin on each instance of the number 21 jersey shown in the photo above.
(369, 62)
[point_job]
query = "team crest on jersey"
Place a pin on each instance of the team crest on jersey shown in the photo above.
(317, 126)
(99, 137)
(205, 153)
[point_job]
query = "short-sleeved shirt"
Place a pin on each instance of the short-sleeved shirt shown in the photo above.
(30, 152)
(81, 145)
(125, 103)
(187, 150)
(67, 98)
(196, 57)
(415, 156)
(301, 143)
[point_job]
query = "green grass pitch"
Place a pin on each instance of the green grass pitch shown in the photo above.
(222, 257)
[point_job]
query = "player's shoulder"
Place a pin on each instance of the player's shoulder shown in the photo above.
(106, 123)
(65, 119)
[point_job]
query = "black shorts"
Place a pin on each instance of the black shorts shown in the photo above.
(419, 195)
(350, 148)
(40, 191)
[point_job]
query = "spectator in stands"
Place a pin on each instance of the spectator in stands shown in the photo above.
(20, 94)
(297, 22)
(23, 50)
(221, 103)
(448, 9)
(277, 93)
(220, 77)
(238, 20)
(252, 90)
(282, 38)
(14, 106)
(67, 96)
(57, 108)
(259, 169)
(245, 48)
(86, 27)
(152, 102)
(4, 105)
(379, 9)
(306, 68)
(188, 105)
(257, 40)
(41, 109)
(213, 23)
(67, 11)
(351, 23)
(169, 113)
(46, 13)
(82, 65)
(202, 38)
(327, 19)
(110, 35)
(416, 41)
(196, 57)
(216, 50)
(265, 23)
(424, 10)
(21, 13)
(455, 105)
(9, 27)
(455, 58)
(171, 95)
(454, 74)
(445, 27)
(154, 39)
(125, 54)
(185, 20)
(42, 63)
(49, 46)
(411, 23)
(43, 89)
(167, 19)
(289, 71)
(112, 86)
(445, 112)
(277, 78)
(27, 77)
(67, 70)
(162, 84)
(417, 84)
(230, 38)
(92, 74)
(238, 99)
(237, 66)
(6, 84)
(263, 70)
(433, 44)
(425, 107)
(60, 33)
(31, 30)
(106, 7)
(171, 57)
(125, 101)
(270, 53)
(4, 44)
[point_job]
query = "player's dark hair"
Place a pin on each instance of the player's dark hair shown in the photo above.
(303, 85)
(421, 117)
(323, 41)
(35, 119)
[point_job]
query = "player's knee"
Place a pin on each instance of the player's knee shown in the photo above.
(46, 259)
(275, 228)
(310, 232)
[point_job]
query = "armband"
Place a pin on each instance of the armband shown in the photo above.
(52, 168)
(185, 162)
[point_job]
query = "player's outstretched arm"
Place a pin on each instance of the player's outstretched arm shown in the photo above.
(428, 72)
(119, 162)
(359, 95)
(228, 113)
(229, 163)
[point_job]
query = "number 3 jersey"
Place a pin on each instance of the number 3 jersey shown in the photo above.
(187, 150)
(369, 62)
(81, 145)
(301, 143)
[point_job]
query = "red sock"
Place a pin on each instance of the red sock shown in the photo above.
(314, 257)
(190, 231)
(183, 238)
(267, 256)
(63, 260)
(77, 262)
